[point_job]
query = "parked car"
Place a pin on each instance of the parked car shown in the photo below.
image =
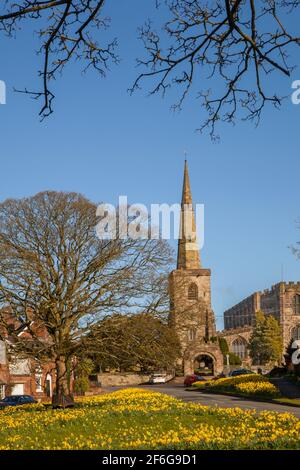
(190, 379)
(237, 372)
(16, 400)
(158, 379)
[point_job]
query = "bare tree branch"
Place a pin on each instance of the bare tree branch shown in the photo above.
(65, 35)
(235, 44)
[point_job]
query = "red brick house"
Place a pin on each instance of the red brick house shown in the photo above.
(24, 376)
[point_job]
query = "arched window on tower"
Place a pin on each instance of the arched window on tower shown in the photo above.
(192, 334)
(193, 292)
(295, 333)
(239, 347)
(297, 304)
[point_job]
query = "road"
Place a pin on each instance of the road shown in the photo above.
(179, 391)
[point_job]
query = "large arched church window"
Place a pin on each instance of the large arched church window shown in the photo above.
(193, 292)
(295, 333)
(239, 347)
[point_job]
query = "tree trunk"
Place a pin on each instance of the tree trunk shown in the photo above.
(62, 396)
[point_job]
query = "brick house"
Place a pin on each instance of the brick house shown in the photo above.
(24, 376)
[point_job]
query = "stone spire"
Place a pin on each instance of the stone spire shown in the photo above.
(188, 256)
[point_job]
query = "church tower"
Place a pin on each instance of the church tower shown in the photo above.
(190, 297)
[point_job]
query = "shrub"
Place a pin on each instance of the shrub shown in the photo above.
(81, 385)
(234, 359)
(277, 371)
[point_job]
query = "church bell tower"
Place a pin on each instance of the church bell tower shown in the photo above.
(190, 295)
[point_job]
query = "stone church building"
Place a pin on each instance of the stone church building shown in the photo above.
(282, 301)
(191, 313)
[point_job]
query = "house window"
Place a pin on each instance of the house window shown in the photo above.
(295, 333)
(17, 389)
(297, 304)
(193, 292)
(239, 347)
(192, 334)
(48, 385)
(2, 391)
(39, 380)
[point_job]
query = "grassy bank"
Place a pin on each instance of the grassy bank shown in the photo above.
(250, 386)
(139, 419)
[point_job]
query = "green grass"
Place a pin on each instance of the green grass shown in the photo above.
(140, 419)
(288, 401)
(234, 393)
(231, 386)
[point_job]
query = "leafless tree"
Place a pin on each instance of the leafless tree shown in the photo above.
(235, 45)
(57, 277)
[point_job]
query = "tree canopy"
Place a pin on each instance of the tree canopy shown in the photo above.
(266, 343)
(58, 277)
(137, 342)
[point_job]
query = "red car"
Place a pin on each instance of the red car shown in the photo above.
(190, 379)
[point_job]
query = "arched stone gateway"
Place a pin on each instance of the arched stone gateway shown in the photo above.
(206, 359)
(204, 364)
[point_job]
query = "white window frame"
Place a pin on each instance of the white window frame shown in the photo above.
(39, 381)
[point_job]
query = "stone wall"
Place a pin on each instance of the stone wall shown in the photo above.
(243, 313)
(234, 333)
(126, 379)
(289, 315)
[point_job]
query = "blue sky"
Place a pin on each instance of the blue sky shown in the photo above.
(103, 143)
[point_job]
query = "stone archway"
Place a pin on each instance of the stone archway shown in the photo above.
(209, 353)
(204, 364)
